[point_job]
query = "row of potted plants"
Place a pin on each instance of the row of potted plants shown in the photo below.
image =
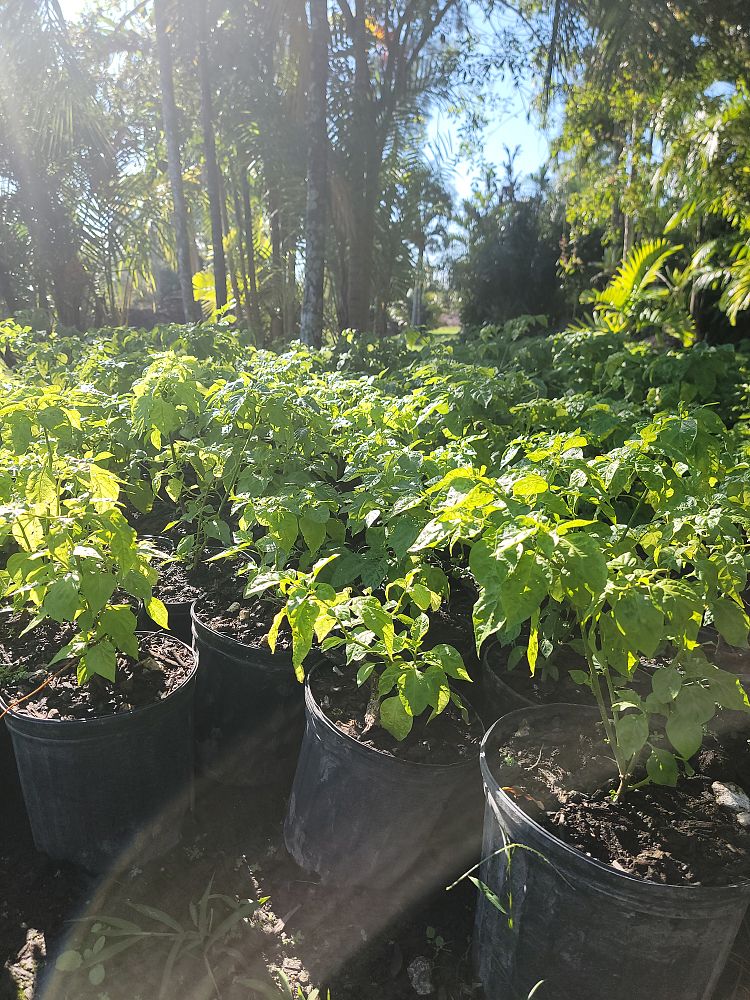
(339, 516)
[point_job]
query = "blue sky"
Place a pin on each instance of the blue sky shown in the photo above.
(509, 127)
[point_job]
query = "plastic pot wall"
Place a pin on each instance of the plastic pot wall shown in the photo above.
(249, 710)
(585, 929)
(95, 788)
(359, 816)
(499, 697)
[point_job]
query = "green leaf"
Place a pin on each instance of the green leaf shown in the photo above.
(97, 588)
(364, 672)
(731, 621)
(440, 692)
(69, 961)
(104, 484)
(666, 683)
(414, 690)
(62, 601)
(532, 650)
(450, 660)
(685, 734)
(530, 485)
(119, 624)
(661, 768)
(641, 622)
(421, 596)
(100, 659)
(395, 719)
(302, 618)
(96, 975)
(273, 635)
(157, 612)
(174, 489)
(632, 733)
(313, 531)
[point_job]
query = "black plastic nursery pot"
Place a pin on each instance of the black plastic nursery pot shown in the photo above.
(97, 788)
(249, 709)
(180, 620)
(358, 816)
(585, 929)
(499, 697)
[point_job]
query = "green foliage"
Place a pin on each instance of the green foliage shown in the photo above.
(200, 944)
(595, 490)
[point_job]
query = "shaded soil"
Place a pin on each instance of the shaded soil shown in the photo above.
(27, 655)
(175, 585)
(358, 945)
(445, 740)
(163, 665)
(247, 620)
(679, 835)
(543, 688)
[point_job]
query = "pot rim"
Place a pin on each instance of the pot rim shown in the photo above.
(103, 720)
(668, 890)
(348, 741)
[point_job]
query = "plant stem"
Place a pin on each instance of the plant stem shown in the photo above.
(610, 727)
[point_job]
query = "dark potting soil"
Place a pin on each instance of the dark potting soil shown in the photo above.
(175, 585)
(164, 664)
(445, 740)
(542, 688)
(224, 609)
(562, 779)
(452, 623)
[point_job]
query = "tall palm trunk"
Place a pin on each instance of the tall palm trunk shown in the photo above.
(311, 323)
(416, 301)
(247, 211)
(174, 162)
(213, 179)
(364, 185)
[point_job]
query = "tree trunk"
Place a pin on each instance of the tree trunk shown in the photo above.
(365, 181)
(416, 300)
(311, 322)
(231, 258)
(250, 253)
(174, 163)
(213, 179)
(277, 262)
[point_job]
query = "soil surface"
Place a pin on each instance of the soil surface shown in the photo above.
(175, 585)
(679, 836)
(163, 665)
(542, 688)
(224, 609)
(445, 740)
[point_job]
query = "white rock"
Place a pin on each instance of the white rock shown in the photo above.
(420, 976)
(731, 796)
(743, 819)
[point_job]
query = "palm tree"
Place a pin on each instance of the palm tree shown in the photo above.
(213, 178)
(174, 159)
(311, 323)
